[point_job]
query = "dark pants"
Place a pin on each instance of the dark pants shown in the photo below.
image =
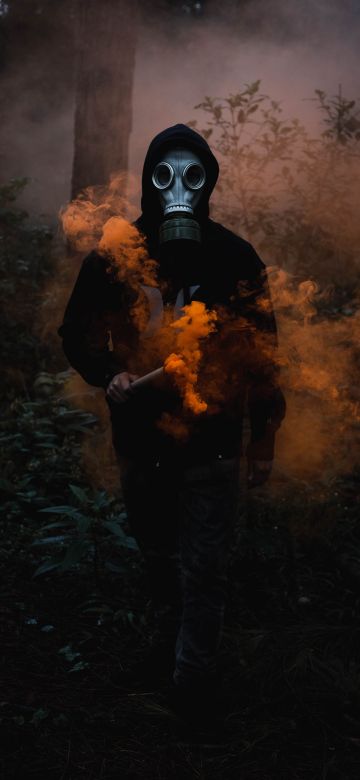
(183, 519)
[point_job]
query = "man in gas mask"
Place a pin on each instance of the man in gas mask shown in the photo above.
(182, 496)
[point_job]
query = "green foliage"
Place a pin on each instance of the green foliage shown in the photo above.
(84, 533)
(40, 444)
(25, 265)
(292, 194)
(41, 436)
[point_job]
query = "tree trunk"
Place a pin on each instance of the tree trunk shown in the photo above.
(106, 60)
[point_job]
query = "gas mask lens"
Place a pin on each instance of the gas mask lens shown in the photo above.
(163, 176)
(194, 176)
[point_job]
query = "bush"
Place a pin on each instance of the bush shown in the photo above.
(25, 265)
(292, 194)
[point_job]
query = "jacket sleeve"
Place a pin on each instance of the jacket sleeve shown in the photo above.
(84, 330)
(266, 401)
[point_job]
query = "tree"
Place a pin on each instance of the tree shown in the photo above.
(36, 95)
(106, 40)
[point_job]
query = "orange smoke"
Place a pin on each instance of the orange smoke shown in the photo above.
(125, 247)
(195, 324)
(83, 219)
(319, 355)
(319, 349)
(99, 218)
(174, 426)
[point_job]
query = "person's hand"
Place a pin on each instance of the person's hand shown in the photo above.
(119, 389)
(258, 472)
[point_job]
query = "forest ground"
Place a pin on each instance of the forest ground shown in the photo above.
(289, 655)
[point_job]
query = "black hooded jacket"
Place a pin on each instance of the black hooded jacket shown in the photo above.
(101, 338)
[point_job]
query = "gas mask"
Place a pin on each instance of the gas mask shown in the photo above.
(179, 179)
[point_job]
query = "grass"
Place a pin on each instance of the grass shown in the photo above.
(289, 655)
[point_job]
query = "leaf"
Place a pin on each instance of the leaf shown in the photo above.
(38, 716)
(69, 653)
(49, 540)
(74, 554)
(47, 566)
(98, 609)
(44, 445)
(123, 540)
(83, 524)
(69, 511)
(79, 667)
(58, 524)
(18, 719)
(114, 567)
(70, 414)
(78, 428)
(115, 528)
(128, 542)
(11, 437)
(80, 494)
(102, 500)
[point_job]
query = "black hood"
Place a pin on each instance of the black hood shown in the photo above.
(174, 136)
